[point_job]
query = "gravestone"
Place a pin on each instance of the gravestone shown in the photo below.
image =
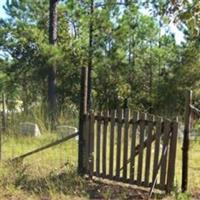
(65, 130)
(194, 133)
(29, 129)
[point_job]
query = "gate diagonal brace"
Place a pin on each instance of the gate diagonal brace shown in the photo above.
(158, 167)
(144, 146)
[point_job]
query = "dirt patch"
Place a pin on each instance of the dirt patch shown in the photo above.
(109, 191)
(196, 194)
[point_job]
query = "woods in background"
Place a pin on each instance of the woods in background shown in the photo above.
(127, 44)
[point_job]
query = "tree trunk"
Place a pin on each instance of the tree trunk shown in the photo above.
(52, 102)
(3, 113)
(90, 56)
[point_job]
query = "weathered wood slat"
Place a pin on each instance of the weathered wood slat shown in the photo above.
(104, 146)
(157, 145)
(125, 156)
(129, 181)
(148, 150)
(140, 156)
(133, 142)
(98, 144)
(108, 118)
(172, 157)
(119, 132)
(112, 130)
(165, 143)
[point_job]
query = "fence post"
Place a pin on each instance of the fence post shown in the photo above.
(83, 111)
(3, 113)
(185, 147)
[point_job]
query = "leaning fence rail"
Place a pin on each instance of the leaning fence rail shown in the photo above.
(45, 147)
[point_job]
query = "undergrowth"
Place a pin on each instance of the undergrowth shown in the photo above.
(52, 175)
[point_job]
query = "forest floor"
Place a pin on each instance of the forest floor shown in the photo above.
(51, 175)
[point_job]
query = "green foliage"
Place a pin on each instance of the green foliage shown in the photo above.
(189, 14)
(132, 56)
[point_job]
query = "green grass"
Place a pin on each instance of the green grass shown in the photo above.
(46, 160)
(51, 174)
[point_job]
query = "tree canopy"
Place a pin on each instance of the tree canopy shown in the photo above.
(128, 44)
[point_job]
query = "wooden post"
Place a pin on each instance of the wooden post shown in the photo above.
(3, 113)
(185, 147)
(83, 110)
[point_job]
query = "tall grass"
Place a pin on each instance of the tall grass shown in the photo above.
(47, 174)
(51, 174)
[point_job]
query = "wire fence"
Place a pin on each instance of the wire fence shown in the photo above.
(22, 133)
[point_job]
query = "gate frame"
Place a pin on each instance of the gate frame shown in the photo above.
(88, 130)
(84, 111)
(190, 112)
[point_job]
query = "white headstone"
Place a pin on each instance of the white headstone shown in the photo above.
(65, 130)
(29, 129)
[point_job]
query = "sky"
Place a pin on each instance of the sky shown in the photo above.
(178, 34)
(2, 13)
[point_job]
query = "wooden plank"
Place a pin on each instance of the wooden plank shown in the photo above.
(158, 186)
(157, 145)
(142, 117)
(125, 156)
(98, 143)
(133, 142)
(91, 144)
(112, 130)
(116, 119)
(148, 150)
(104, 153)
(163, 171)
(119, 131)
(172, 157)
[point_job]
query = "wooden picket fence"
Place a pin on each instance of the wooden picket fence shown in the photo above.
(131, 147)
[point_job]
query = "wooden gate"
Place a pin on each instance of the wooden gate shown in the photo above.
(131, 147)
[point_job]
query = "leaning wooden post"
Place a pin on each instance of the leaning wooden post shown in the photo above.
(3, 113)
(83, 111)
(185, 148)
